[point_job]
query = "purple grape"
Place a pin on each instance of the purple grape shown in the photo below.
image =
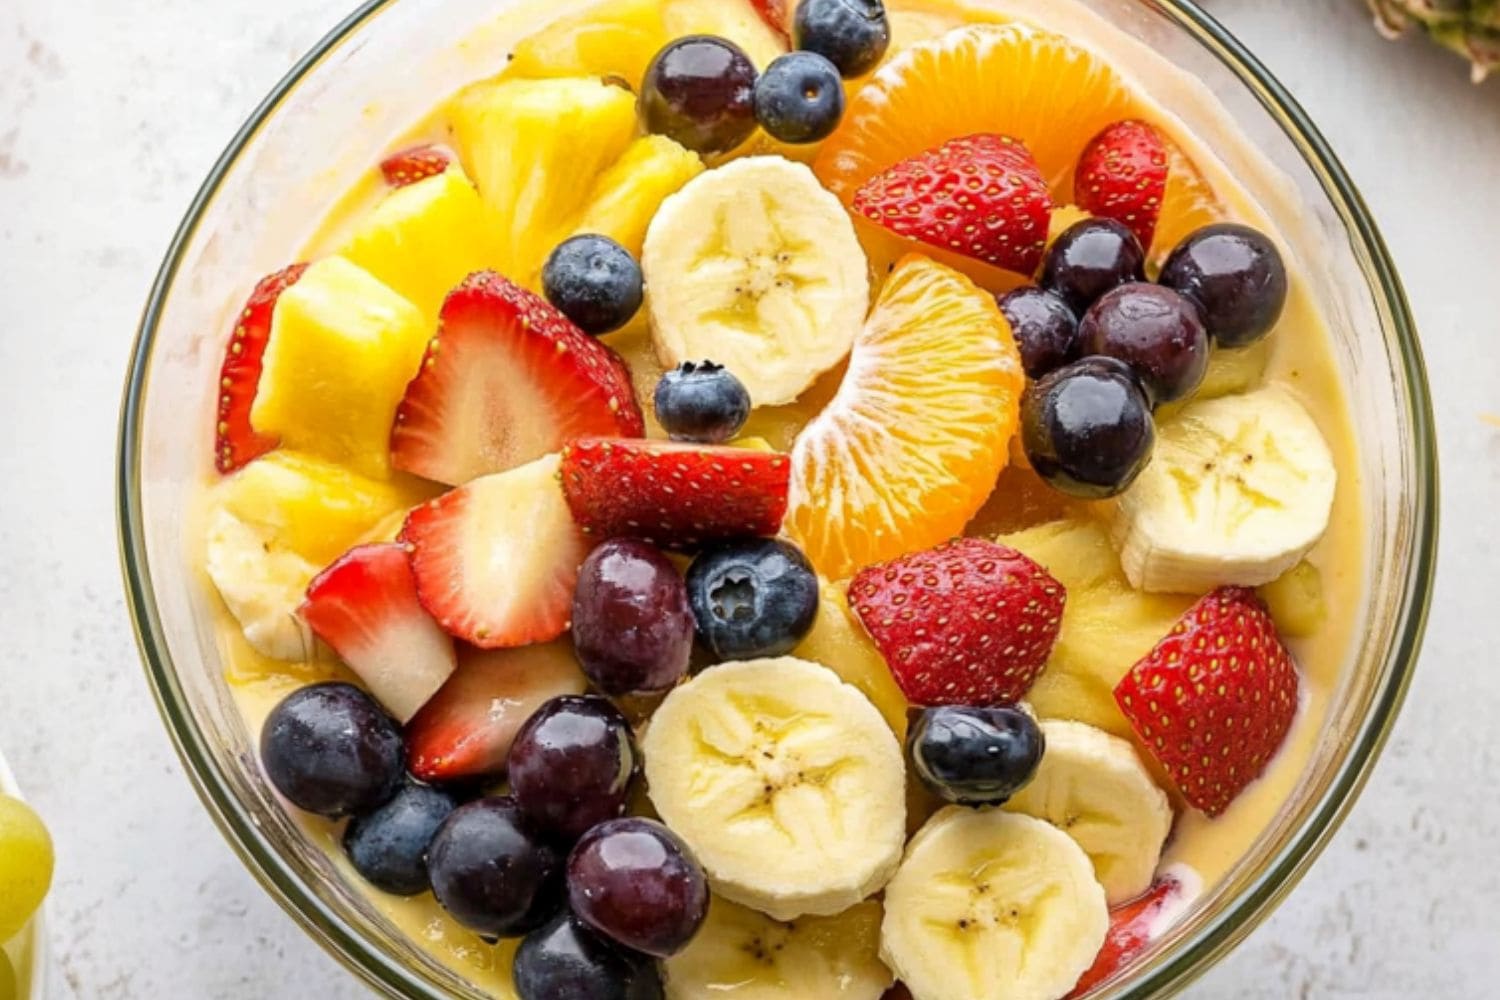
(1236, 276)
(1045, 329)
(332, 751)
(566, 961)
(632, 626)
(1090, 258)
(700, 92)
(1087, 428)
(572, 764)
(492, 871)
(635, 882)
(1155, 331)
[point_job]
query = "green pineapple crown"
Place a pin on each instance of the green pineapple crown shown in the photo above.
(1468, 27)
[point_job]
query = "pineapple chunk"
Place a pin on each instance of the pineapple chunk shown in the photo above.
(1106, 626)
(1235, 371)
(536, 148)
(736, 20)
(343, 347)
(838, 642)
(1296, 600)
(628, 194)
(424, 239)
(611, 38)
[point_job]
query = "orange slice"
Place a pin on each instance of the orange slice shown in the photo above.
(1188, 204)
(913, 441)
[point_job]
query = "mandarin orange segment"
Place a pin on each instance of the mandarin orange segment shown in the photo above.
(1188, 204)
(913, 441)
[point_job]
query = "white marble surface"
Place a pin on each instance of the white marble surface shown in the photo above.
(110, 113)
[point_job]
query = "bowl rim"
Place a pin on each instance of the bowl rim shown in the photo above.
(1195, 954)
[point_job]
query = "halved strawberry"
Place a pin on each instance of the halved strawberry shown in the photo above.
(1122, 175)
(507, 380)
(982, 196)
(675, 495)
(236, 443)
(777, 16)
(415, 164)
(1131, 928)
(496, 561)
(1215, 698)
(365, 606)
(967, 623)
(466, 730)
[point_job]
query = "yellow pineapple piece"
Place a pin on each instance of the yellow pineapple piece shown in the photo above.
(1106, 626)
(424, 239)
(610, 38)
(343, 347)
(1296, 600)
(627, 195)
(1235, 371)
(536, 148)
(839, 642)
(736, 20)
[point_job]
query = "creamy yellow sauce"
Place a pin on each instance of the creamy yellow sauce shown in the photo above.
(1302, 360)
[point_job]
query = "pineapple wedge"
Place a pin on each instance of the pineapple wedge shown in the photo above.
(343, 346)
(520, 141)
(1106, 626)
(611, 38)
(838, 642)
(424, 239)
(628, 194)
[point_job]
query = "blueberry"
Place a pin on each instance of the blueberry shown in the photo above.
(566, 961)
(1045, 329)
(332, 751)
(1087, 427)
(632, 627)
(699, 91)
(572, 765)
(701, 402)
(1236, 276)
(389, 846)
(974, 756)
(1090, 258)
(799, 98)
(493, 871)
(594, 282)
(752, 598)
(1157, 332)
(851, 34)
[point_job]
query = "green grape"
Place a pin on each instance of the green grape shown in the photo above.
(25, 865)
(7, 978)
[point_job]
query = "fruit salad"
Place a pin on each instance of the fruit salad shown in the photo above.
(837, 498)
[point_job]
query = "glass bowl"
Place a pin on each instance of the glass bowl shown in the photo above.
(380, 71)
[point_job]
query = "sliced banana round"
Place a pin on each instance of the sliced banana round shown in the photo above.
(1238, 491)
(991, 905)
(262, 586)
(785, 781)
(1094, 788)
(742, 954)
(756, 267)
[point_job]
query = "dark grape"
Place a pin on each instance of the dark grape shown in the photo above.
(1236, 276)
(1090, 258)
(700, 92)
(1045, 329)
(594, 282)
(1087, 427)
(1155, 331)
(572, 764)
(635, 882)
(632, 627)
(851, 34)
(752, 598)
(492, 871)
(332, 751)
(566, 961)
(975, 756)
(389, 846)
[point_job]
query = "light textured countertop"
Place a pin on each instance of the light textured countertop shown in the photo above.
(111, 111)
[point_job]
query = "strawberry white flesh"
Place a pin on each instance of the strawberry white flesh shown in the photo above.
(365, 606)
(496, 560)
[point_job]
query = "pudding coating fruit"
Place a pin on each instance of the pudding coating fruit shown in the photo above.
(571, 765)
(1214, 700)
(26, 862)
(784, 781)
(236, 442)
(636, 883)
(975, 756)
(564, 959)
(968, 623)
(799, 98)
(699, 92)
(752, 598)
(1087, 428)
(1122, 175)
(329, 749)
(1090, 258)
(594, 282)
(989, 905)
(492, 872)
(1045, 329)
(701, 402)
(851, 34)
(632, 627)
(388, 847)
(1236, 276)
(1155, 331)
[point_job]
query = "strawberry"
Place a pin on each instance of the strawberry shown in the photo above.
(1131, 928)
(495, 561)
(981, 196)
(236, 443)
(675, 495)
(776, 16)
(466, 730)
(1213, 701)
(967, 623)
(506, 380)
(1122, 175)
(365, 606)
(415, 164)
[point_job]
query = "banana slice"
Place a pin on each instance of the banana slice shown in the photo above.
(742, 954)
(785, 781)
(262, 585)
(991, 905)
(1238, 491)
(1094, 788)
(755, 266)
